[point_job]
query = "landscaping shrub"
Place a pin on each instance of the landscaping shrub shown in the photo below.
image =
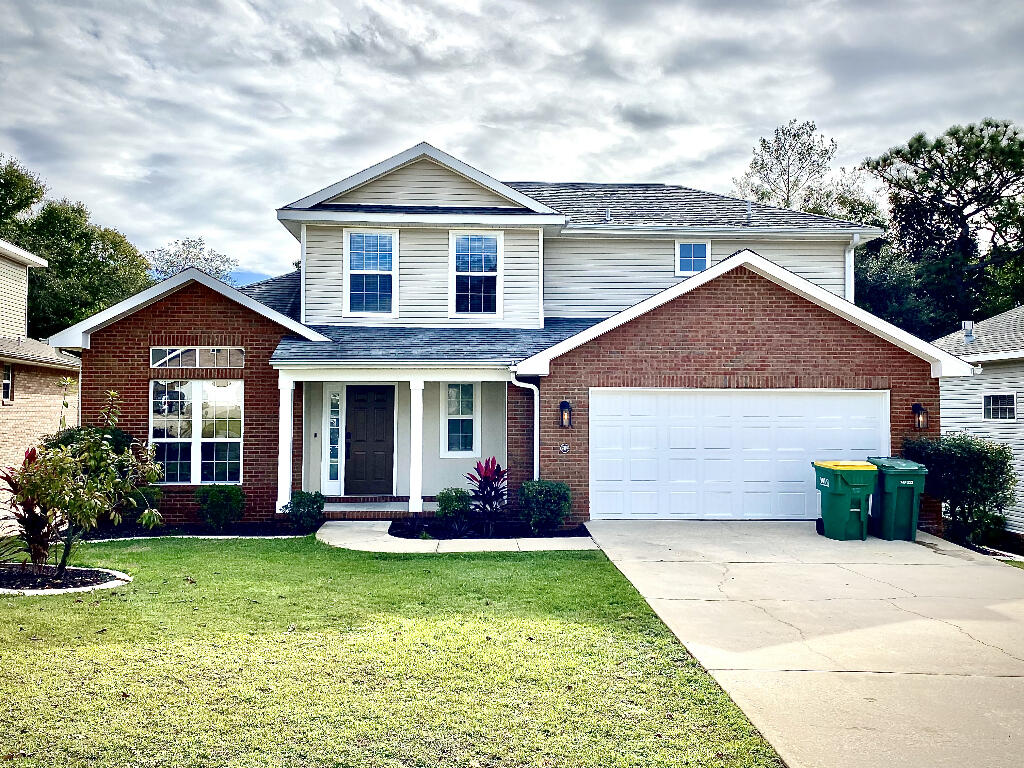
(220, 505)
(488, 493)
(305, 511)
(454, 510)
(972, 477)
(119, 440)
(545, 503)
(36, 529)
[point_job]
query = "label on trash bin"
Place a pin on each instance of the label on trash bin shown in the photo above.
(906, 482)
(823, 481)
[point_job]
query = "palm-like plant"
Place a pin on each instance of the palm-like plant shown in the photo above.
(37, 529)
(488, 489)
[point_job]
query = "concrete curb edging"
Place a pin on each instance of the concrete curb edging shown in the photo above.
(119, 579)
(373, 536)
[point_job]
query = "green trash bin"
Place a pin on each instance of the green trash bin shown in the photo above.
(845, 488)
(897, 499)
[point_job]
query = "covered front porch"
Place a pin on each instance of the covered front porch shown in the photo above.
(380, 442)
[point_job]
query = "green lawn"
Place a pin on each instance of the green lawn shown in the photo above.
(290, 653)
(1015, 563)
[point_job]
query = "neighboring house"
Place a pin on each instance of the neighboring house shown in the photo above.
(708, 349)
(30, 371)
(986, 405)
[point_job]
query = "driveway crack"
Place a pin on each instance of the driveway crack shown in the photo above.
(907, 592)
(803, 635)
(958, 628)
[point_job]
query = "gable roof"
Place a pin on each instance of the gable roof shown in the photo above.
(1000, 337)
(280, 293)
(77, 336)
(942, 363)
(20, 255)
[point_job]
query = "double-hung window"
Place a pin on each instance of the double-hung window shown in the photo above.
(460, 419)
(371, 272)
(475, 286)
(1000, 407)
(196, 428)
(692, 257)
(8, 383)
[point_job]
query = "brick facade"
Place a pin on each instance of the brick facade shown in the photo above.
(738, 331)
(194, 315)
(34, 411)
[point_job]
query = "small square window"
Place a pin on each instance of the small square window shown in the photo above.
(691, 258)
(1000, 407)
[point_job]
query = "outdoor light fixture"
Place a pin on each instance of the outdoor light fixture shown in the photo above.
(566, 413)
(920, 416)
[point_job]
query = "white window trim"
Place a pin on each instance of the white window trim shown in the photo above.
(395, 251)
(196, 441)
(499, 306)
(477, 413)
(998, 394)
(193, 367)
(675, 256)
(4, 368)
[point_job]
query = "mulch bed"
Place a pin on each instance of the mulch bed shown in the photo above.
(27, 577)
(416, 527)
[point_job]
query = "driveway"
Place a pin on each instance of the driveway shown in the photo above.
(845, 654)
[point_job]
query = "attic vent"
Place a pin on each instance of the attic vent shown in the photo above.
(968, 326)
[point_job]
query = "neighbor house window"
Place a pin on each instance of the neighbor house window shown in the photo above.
(8, 385)
(476, 285)
(1002, 406)
(196, 429)
(370, 261)
(692, 258)
(196, 357)
(460, 420)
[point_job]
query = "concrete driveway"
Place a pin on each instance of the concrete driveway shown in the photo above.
(845, 654)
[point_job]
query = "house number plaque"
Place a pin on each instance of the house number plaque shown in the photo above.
(563, 448)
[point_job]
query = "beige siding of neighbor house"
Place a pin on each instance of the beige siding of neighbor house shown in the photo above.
(423, 268)
(13, 299)
(962, 402)
(599, 277)
(423, 183)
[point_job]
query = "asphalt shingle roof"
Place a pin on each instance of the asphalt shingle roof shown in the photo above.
(32, 351)
(279, 293)
(391, 343)
(1000, 333)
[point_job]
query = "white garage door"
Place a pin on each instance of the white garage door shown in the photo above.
(729, 454)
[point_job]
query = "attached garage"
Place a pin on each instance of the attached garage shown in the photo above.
(724, 454)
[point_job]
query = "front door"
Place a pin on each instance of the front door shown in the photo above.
(369, 439)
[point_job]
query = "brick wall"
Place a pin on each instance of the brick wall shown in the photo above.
(196, 316)
(34, 411)
(519, 440)
(739, 331)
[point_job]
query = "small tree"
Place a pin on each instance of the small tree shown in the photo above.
(787, 166)
(972, 477)
(488, 490)
(190, 252)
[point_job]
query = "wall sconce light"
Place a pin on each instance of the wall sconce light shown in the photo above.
(920, 416)
(565, 410)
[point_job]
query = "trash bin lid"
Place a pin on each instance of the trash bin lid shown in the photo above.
(841, 465)
(893, 464)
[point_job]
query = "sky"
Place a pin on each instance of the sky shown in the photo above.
(201, 118)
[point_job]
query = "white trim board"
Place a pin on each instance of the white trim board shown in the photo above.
(20, 255)
(77, 336)
(942, 362)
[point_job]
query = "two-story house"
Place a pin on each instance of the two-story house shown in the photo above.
(667, 352)
(31, 372)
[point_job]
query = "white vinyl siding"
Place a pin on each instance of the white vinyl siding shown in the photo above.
(424, 182)
(962, 410)
(423, 280)
(13, 299)
(598, 277)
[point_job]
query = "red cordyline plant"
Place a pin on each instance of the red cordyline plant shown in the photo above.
(37, 528)
(488, 489)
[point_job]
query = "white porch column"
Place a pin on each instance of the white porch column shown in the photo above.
(286, 388)
(416, 446)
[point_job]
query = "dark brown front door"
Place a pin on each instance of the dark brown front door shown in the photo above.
(369, 440)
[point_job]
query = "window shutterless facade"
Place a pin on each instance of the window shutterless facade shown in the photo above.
(196, 357)
(475, 283)
(7, 393)
(460, 419)
(371, 273)
(692, 257)
(196, 429)
(1001, 406)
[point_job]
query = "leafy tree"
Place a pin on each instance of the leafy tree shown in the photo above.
(845, 196)
(789, 166)
(20, 189)
(191, 252)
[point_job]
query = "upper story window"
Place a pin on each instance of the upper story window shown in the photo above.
(692, 257)
(8, 383)
(371, 260)
(1000, 407)
(460, 420)
(196, 357)
(475, 285)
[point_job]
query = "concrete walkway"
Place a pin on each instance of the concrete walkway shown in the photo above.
(843, 653)
(374, 537)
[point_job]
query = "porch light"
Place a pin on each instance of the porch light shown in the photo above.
(566, 414)
(920, 416)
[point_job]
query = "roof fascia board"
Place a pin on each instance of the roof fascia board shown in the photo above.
(363, 373)
(20, 255)
(77, 336)
(672, 231)
(991, 357)
(942, 362)
(410, 155)
(31, 363)
(357, 217)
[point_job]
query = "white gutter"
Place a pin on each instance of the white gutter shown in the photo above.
(536, 420)
(849, 272)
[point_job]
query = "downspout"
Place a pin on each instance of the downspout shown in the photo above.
(536, 420)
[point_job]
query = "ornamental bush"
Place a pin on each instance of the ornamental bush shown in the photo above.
(454, 510)
(545, 503)
(220, 505)
(488, 485)
(972, 477)
(305, 511)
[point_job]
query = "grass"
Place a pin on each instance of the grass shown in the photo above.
(1015, 563)
(290, 653)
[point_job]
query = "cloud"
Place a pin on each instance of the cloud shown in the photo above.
(179, 119)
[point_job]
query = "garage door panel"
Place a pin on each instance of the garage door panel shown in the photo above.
(721, 454)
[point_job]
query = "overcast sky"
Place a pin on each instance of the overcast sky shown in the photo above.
(177, 118)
